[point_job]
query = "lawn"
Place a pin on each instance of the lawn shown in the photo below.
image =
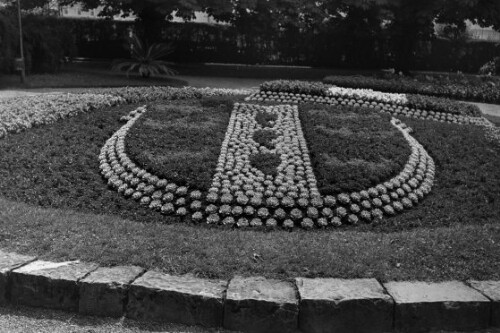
(79, 77)
(54, 202)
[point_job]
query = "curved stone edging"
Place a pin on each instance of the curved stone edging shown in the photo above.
(249, 304)
(389, 198)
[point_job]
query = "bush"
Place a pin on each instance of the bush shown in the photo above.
(46, 43)
(461, 88)
(295, 87)
(414, 101)
(492, 67)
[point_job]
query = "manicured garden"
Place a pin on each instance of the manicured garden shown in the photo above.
(468, 88)
(364, 194)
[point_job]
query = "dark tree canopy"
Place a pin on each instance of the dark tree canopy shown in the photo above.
(403, 22)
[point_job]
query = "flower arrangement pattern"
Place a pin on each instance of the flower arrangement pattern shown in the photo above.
(241, 195)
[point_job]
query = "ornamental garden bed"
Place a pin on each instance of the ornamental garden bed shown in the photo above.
(471, 88)
(345, 184)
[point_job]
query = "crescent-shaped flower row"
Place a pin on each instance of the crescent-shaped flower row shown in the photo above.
(386, 199)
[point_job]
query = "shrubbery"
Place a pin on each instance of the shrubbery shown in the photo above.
(492, 67)
(414, 101)
(46, 43)
(481, 90)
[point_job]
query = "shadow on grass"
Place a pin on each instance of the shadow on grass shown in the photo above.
(75, 77)
(458, 252)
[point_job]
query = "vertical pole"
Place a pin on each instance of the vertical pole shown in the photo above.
(21, 40)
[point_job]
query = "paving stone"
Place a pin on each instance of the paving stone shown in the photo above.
(49, 284)
(261, 305)
(338, 305)
(177, 299)
(104, 291)
(422, 306)
(8, 262)
(490, 289)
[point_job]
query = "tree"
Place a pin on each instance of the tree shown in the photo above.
(151, 14)
(410, 21)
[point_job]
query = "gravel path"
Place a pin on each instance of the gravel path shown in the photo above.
(31, 320)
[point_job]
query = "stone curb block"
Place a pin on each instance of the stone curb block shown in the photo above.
(337, 305)
(104, 291)
(253, 304)
(260, 305)
(422, 306)
(490, 289)
(9, 262)
(177, 299)
(49, 285)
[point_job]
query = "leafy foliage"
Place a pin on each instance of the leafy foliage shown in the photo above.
(492, 67)
(352, 148)
(460, 88)
(56, 166)
(166, 140)
(266, 162)
(46, 42)
(145, 60)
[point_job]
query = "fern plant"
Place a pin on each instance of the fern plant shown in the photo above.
(145, 60)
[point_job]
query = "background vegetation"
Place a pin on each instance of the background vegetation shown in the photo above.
(340, 33)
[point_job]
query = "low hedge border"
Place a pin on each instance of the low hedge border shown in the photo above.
(486, 91)
(303, 90)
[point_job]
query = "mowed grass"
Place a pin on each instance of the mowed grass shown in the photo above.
(457, 252)
(55, 204)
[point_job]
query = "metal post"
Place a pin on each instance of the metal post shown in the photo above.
(21, 41)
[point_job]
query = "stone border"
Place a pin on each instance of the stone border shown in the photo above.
(254, 304)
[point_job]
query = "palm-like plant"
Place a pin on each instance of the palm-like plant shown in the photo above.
(145, 60)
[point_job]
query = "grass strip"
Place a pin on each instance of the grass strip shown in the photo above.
(459, 252)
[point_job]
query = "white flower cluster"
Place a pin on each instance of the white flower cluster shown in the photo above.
(378, 101)
(21, 113)
(368, 94)
(131, 180)
(155, 93)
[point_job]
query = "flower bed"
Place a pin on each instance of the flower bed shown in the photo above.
(249, 188)
(166, 140)
(21, 113)
(298, 91)
(352, 148)
(155, 93)
(486, 90)
(59, 169)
